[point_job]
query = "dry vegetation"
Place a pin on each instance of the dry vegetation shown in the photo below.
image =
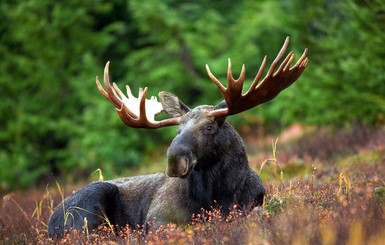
(323, 188)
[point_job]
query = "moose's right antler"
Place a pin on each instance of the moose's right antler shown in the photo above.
(134, 112)
(270, 86)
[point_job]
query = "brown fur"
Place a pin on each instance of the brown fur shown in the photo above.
(207, 167)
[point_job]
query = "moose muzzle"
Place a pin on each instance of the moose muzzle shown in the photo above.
(181, 159)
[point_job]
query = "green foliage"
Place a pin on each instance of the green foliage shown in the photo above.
(379, 193)
(344, 82)
(53, 121)
(275, 205)
(44, 65)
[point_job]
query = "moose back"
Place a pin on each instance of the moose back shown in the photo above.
(207, 162)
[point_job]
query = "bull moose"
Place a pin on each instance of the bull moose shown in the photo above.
(207, 162)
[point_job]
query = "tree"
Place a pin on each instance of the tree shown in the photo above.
(45, 61)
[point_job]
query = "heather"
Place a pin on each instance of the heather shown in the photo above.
(338, 199)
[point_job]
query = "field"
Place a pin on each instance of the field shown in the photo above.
(323, 187)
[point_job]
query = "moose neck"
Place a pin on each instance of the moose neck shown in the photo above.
(218, 175)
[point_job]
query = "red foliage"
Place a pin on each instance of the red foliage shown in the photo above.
(345, 205)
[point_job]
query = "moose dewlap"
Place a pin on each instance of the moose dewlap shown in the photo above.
(207, 162)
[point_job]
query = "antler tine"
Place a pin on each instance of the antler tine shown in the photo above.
(142, 106)
(101, 89)
(278, 58)
(124, 99)
(129, 93)
(234, 85)
(286, 62)
(216, 81)
(258, 76)
(109, 94)
(302, 61)
(222, 89)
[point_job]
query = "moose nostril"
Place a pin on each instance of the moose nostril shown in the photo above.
(184, 160)
(178, 166)
(183, 165)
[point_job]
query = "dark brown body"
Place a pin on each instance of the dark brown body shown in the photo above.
(209, 161)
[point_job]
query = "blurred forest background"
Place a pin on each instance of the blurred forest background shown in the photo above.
(53, 120)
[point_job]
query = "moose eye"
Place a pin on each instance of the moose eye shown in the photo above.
(209, 127)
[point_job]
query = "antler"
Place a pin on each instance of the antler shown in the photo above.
(133, 111)
(259, 92)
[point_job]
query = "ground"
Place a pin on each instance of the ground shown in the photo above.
(324, 186)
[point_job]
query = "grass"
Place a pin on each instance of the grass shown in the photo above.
(333, 198)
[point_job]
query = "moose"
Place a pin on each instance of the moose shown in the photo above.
(207, 162)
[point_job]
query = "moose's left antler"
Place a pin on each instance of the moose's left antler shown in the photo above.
(259, 92)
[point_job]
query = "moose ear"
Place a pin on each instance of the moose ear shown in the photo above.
(221, 120)
(172, 105)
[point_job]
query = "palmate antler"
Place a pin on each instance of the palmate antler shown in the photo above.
(133, 111)
(140, 112)
(259, 92)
